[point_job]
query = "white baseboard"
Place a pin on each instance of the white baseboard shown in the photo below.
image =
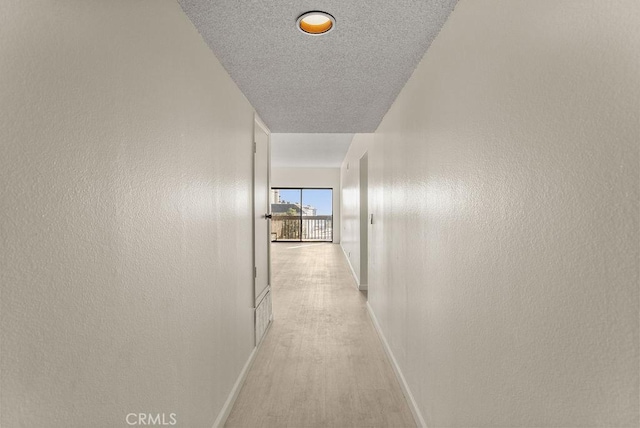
(353, 272)
(233, 395)
(417, 416)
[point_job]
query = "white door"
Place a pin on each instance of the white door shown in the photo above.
(261, 229)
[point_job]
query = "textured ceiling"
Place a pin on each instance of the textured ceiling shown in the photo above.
(309, 150)
(344, 81)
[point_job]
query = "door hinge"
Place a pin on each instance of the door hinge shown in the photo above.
(255, 272)
(255, 147)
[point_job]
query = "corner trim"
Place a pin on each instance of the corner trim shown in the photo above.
(363, 287)
(353, 272)
(417, 416)
(233, 395)
(261, 123)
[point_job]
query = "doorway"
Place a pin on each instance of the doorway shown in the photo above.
(301, 215)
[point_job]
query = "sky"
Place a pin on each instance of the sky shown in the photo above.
(318, 198)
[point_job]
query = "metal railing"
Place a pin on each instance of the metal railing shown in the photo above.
(305, 228)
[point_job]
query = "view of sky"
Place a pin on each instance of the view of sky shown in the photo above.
(318, 198)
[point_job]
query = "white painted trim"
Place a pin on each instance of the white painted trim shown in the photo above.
(417, 416)
(363, 287)
(353, 272)
(233, 395)
(261, 124)
(231, 399)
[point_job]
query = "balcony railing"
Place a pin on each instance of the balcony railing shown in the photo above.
(305, 228)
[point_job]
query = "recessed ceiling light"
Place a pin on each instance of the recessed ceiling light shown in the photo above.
(316, 23)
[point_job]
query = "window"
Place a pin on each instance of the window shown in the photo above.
(301, 214)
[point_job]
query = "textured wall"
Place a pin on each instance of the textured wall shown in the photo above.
(126, 261)
(505, 183)
(312, 177)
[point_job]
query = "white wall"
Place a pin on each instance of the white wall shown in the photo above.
(505, 187)
(312, 177)
(126, 260)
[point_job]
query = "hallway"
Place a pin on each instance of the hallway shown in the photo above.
(483, 160)
(322, 363)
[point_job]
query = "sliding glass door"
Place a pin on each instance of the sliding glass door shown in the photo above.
(317, 215)
(301, 214)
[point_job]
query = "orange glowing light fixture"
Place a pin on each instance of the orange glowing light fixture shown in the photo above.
(316, 23)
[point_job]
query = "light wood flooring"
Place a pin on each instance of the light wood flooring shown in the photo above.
(322, 363)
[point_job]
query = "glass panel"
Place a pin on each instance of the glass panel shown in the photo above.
(285, 210)
(317, 215)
